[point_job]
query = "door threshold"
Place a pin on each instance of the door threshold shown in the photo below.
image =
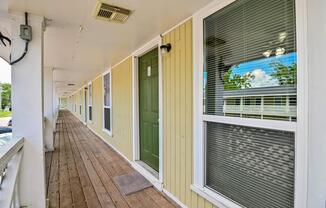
(149, 173)
(149, 169)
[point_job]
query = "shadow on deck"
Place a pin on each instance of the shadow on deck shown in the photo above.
(80, 170)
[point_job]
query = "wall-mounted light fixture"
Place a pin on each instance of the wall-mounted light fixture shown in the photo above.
(165, 48)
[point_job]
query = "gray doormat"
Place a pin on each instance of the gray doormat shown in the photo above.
(131, 183)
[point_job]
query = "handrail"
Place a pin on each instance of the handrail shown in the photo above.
(10, 159)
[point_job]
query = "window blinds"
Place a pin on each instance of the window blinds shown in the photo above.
(107, 118)
(251, 166)
(250, 47)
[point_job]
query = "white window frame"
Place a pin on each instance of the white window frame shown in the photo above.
(90, 101)
(109, 132)
(299, 128)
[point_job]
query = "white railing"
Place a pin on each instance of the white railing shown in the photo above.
(271, 110)
(10, 159)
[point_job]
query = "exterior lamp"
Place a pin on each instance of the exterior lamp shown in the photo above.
(165, 48)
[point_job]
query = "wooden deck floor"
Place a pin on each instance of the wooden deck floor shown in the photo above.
(79, 172)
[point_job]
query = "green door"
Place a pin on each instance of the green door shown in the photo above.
(149, 109)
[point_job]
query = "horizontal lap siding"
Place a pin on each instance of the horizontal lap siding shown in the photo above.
(121, 108)
(178, 128)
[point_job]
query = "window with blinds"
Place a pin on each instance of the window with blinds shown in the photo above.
(250, 72)
(250, 51)
(107, 101)
(251, 166)
(90, 101)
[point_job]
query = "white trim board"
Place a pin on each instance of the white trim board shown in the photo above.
(156, 42)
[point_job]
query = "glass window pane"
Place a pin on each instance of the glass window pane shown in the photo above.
(251, 166)
(107, 120)
(90, 113)
(90, 94)
(250, 51)
(106, 80)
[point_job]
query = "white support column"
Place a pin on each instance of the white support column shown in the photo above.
(49, 116)
(55, 107)
(27, 99)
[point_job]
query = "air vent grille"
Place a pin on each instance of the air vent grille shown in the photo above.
(111, 13)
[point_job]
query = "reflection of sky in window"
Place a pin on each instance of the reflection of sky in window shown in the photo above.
(264, 64)
(261, 69)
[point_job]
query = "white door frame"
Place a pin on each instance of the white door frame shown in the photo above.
(155, 43)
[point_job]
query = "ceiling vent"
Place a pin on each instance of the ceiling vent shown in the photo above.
(111, 13)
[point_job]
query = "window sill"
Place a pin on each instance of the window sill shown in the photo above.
(213, 197)
(107, 132)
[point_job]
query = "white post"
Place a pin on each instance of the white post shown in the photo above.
(27, 99)
(55, 107)
(48, 108)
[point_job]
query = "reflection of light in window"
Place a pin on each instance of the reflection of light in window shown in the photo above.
(280, 51)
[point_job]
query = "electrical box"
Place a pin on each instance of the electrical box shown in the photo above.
(26, 32)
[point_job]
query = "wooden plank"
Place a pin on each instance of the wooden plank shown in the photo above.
(64, 186)
(102, 194)
(76, 188)
(107, 157)
(158, 199)
(48, 160)
(114, 193)
(81, 168)
(87, 187)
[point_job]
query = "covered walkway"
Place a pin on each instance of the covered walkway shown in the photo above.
(80, 170)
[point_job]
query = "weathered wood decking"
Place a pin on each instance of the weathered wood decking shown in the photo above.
(79, 172)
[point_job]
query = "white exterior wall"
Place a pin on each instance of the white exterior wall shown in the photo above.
(317, 101)
(48, 108)
(27, 99)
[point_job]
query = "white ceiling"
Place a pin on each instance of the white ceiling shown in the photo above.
(78, 56)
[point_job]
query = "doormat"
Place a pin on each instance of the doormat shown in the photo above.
(131, 183)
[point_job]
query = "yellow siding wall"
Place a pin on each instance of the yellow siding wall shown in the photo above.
(178, 128)
(121, 108)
